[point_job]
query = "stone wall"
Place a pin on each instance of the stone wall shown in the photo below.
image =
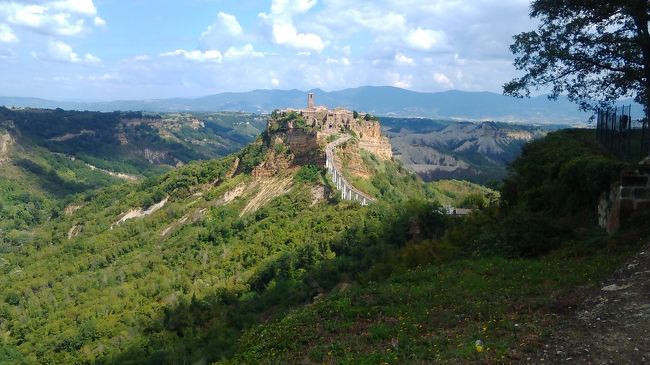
(306, 142)
(630, 194)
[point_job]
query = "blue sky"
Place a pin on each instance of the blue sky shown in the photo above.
(140, 49)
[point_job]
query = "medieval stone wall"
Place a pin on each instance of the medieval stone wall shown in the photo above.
(630, 194)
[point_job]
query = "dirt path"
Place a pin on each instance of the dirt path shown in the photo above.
(612, 326)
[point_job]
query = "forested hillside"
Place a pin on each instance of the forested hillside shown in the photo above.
(48, 156)
(207, 263)
(488, 290)
(132, 142)
(174, 267)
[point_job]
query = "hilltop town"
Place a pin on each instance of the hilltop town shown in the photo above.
(304, 133)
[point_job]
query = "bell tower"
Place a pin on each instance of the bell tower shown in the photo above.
(310, 101)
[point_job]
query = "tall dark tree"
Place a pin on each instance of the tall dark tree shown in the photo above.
(593, 51)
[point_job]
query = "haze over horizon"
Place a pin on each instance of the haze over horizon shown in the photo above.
(108, 50)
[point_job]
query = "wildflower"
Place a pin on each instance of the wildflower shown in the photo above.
(478, 345)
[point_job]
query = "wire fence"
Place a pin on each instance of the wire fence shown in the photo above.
(623, 136)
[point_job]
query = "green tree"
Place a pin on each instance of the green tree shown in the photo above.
(595, 52)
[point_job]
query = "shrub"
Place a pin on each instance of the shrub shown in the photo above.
(307, 173)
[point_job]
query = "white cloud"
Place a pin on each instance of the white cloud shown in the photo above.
(90, 58)
(286, 34)
(397, 80)
(424, 39)
(196, 55)
(282, 29)
(402, 59)
(222, 33)
(141, 58)
(62, 18)
(291, 7)
(230, 23)
(338, 61)
(275, 82)
(62, 52)
(84, 7)
(383, 23)
(242, 52)
(100, 78)
(7, 35)
(442, 80)
(99, 21)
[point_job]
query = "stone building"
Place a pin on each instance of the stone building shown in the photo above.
(322, 122)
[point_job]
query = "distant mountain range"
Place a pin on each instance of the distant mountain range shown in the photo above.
(379, 100)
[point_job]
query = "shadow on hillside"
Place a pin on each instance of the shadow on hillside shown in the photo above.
(50, 181)
(208, 330)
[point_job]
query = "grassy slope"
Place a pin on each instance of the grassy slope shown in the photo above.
(433, 309)
(390, 180)
(36, 183)
(435, 313)
(132, 294)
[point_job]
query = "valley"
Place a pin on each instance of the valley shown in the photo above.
(324, 182)
(442, 149)
(108, 272)
(130, 238)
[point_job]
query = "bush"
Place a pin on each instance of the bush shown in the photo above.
(251, 156)
(474, 201)
(562, 174)
(307, 173)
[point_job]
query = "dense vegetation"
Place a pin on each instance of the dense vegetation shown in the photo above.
(47, 157)
(498, 276)
(184, 281)
(282, 121)
(223, 269)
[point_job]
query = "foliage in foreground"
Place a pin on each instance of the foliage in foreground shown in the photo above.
(429, 301)
(551, 189)
(157, 289)
(396, 279)
(591, 51)
(433, 313)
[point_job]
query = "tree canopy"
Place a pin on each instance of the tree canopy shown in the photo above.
(595, 52)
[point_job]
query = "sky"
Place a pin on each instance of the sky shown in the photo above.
(146, 49)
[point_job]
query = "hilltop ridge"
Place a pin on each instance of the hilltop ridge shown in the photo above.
(300, 136)
(379, 100)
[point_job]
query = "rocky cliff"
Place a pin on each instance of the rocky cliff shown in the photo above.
(303, 133)
(371, 139)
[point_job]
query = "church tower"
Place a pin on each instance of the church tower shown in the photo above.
(310, 101)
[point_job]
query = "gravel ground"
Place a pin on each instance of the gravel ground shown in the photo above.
(612, 326)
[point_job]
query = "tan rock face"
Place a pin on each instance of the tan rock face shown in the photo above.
(5, 142)
(271, 167)
(348, 156)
